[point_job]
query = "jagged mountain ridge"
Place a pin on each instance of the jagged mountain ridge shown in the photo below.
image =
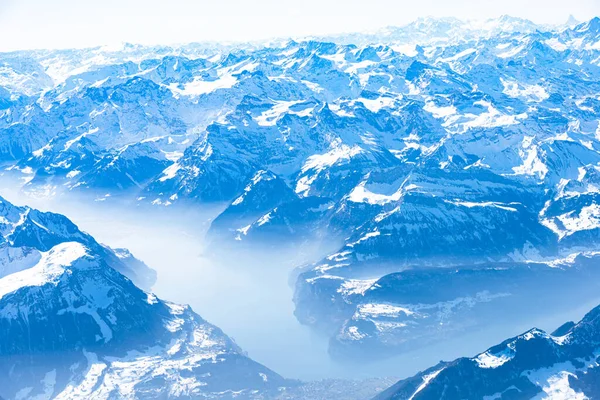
(199, 86)
(27, 228)
(536, 364)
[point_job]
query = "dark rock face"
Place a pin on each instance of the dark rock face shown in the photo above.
(523, 367)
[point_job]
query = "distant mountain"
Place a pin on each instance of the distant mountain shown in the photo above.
(572, 22)
(563, 365)
(436, 31)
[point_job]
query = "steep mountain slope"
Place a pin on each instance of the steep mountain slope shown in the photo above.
(563, 365)
(72, 326)
(374, 318)
(27, 228)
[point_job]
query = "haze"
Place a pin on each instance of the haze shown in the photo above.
(35, 24)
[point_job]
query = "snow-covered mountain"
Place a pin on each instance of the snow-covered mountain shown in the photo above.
(25, 232)
(95, 118)
(442, 31)
(533, 365)
(72, 326)
(408, 310)
(435, 145)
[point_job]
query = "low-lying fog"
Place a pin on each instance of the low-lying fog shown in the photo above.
(251, 301)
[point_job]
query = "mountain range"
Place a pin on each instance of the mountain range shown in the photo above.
(454, 168)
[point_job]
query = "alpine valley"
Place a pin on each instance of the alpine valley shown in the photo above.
(75, 326)
(436, 184)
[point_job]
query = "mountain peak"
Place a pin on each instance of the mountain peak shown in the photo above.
(572, 21)
(591, 26)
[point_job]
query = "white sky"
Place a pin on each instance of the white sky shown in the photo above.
(27, 24)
